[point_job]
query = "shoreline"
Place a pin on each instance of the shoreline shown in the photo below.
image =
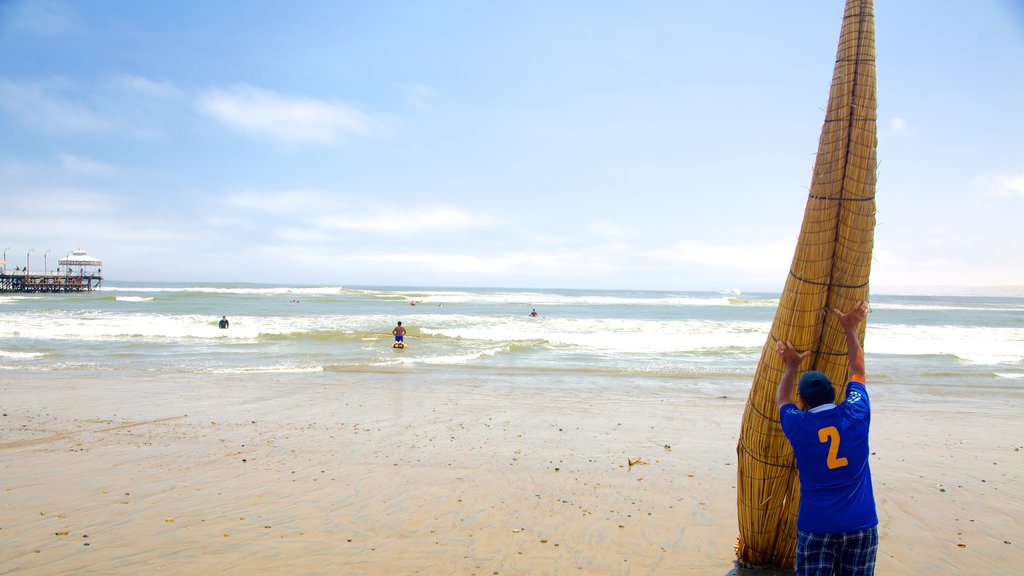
(412, 473)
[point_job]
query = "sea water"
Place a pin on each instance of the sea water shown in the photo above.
(705, 339)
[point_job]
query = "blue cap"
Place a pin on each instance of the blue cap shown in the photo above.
(816, 389)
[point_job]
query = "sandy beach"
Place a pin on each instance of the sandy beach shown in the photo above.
(487, 474)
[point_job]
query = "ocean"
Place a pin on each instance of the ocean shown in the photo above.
(581, 338)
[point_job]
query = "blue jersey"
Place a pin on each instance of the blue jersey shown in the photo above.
(831, 449)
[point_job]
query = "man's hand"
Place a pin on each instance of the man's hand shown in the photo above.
(790, 357)
(854, 351)
(852, 319)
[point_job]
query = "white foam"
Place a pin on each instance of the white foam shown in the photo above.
(538, 299)
(96, 325)
(269, 370)
(975, 345)
(20, 355)
(10, 299)
(618, 336)
(242, 290)
(944, 307)
(447, 359)
(133, 298)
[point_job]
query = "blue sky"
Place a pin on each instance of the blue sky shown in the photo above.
(576, 144)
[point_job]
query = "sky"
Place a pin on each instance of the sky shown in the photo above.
(663, 145)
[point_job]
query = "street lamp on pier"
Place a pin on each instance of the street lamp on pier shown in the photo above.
(28, 260)
(5, 258)
(45, 265)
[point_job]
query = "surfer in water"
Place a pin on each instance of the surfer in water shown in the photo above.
(399, 333)
(223, 322)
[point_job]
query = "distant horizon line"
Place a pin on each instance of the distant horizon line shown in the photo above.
(1006, 290)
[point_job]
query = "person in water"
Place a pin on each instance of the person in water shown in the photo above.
(223, 322)
(399, 332)
(534, 314)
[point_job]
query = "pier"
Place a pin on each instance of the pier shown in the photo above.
(77, 275)
(35, 282)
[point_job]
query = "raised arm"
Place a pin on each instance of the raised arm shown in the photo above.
(855, 352)
(791, 359)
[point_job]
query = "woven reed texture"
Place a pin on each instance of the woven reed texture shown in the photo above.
(830, 269)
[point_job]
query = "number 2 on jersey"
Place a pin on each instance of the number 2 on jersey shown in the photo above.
(831, 435)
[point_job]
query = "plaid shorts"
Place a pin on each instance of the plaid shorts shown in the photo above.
(842, 554)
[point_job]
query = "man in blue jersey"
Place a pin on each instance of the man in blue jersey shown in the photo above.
(837, 526)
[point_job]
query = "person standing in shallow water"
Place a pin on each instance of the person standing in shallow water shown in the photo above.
(399, 332)
(837, 524)
(223, 322)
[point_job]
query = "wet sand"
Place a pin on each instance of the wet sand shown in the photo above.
(489, 474)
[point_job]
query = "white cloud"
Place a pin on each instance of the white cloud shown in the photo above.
(145, 87)
(477, 264)
(28, 179)
(901, 269)
(10, 167)
(53, 202)
(406, 220)
(999, 185)
(135, 104)
(83, 165)
(610, 230)
(772, 256)
(42, 104)
(301, 235)
(418, 96)
(312, 201)
(294, 120)
(458, 263)
(125, 104)
(44, 18)
(314, 215)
